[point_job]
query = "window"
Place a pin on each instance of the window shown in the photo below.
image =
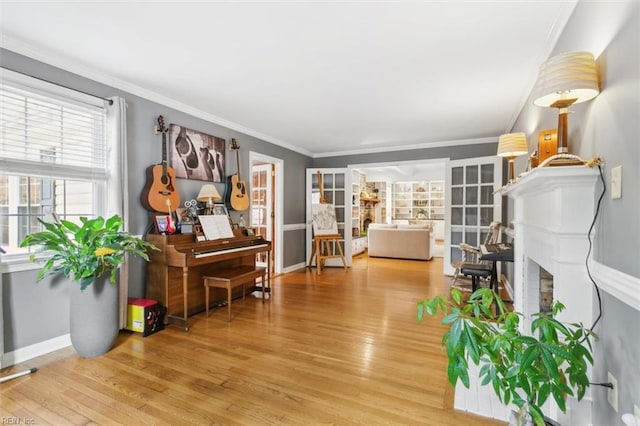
(52, 156)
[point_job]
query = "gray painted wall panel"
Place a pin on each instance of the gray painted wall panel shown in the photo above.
(33, 312)
(297, 247)
(608, 126)
(451, 152)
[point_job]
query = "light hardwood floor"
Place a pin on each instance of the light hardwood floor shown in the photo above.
(340, 348)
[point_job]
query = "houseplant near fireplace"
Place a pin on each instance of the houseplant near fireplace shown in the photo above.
(522, 369)
(88, 254)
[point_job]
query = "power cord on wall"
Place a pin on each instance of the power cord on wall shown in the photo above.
(593, 223)
(596, 162)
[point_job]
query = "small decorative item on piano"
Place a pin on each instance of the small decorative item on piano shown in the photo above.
(197, 229)
(220, 209)
(163, 223)
(188, 216)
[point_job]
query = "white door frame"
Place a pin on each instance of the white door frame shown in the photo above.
(311, 172)
(256, 157)
(268, 170)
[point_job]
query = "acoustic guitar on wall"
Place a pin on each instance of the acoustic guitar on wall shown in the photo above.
(236, 197)
(160, 192)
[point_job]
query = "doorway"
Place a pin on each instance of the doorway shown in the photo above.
(334, 185)
(266, 203)
(407, 193)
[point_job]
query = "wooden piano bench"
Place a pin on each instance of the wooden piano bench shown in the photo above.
(231, 278)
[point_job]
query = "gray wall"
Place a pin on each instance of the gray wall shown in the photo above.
(451, 152)
(37, 312)
(608, 127)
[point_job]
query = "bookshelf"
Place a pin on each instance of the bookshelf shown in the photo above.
(418, 200)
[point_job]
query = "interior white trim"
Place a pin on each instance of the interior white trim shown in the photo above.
(279, 201)
(295, 267)
(35, 350)
(63, 94)
(618, 284)
(17, 263)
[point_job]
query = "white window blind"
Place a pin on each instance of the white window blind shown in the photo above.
(48, 133)
(53, 156)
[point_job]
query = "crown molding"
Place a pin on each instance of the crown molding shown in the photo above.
(492, 139)
(28, 50)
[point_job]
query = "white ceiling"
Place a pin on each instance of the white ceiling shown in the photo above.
(318, 77)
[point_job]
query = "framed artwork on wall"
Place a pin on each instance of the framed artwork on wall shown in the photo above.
(196, 155)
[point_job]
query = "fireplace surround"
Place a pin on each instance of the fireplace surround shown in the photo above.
(553, 208)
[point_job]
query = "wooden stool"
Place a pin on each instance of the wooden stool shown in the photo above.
(321, 250)
(231, 278)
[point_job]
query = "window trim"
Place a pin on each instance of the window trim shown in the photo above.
(60, 93)
(18, 262)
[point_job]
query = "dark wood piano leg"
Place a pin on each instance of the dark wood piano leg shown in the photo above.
(268, 276)
(185, 287)
(185, 302)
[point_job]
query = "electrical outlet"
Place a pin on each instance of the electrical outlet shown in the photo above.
(616, 182)
(612, 394)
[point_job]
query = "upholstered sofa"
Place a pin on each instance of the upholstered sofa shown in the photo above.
(400, 241)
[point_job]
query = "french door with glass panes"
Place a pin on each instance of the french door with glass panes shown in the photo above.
(471, 204)
(262, 205)
(336, 188)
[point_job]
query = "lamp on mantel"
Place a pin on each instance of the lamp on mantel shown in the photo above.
(512, 145)
(564, 80)
(208, 194)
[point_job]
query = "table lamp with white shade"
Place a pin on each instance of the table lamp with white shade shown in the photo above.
(564, 80)
(208, 194)
(512, 145)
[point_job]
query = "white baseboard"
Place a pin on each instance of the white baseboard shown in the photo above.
(294, 267)
(35, 350)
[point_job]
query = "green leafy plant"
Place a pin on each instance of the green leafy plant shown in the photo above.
(86, 251)
(523, 369)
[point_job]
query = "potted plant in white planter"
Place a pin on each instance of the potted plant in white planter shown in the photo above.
(521, 369)
(88, 254)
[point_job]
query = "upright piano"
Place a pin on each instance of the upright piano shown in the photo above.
(174, 273)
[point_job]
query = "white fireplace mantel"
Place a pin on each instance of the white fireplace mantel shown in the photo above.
(553, 211)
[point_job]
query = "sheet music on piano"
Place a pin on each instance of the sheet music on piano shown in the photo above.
(216, 226)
